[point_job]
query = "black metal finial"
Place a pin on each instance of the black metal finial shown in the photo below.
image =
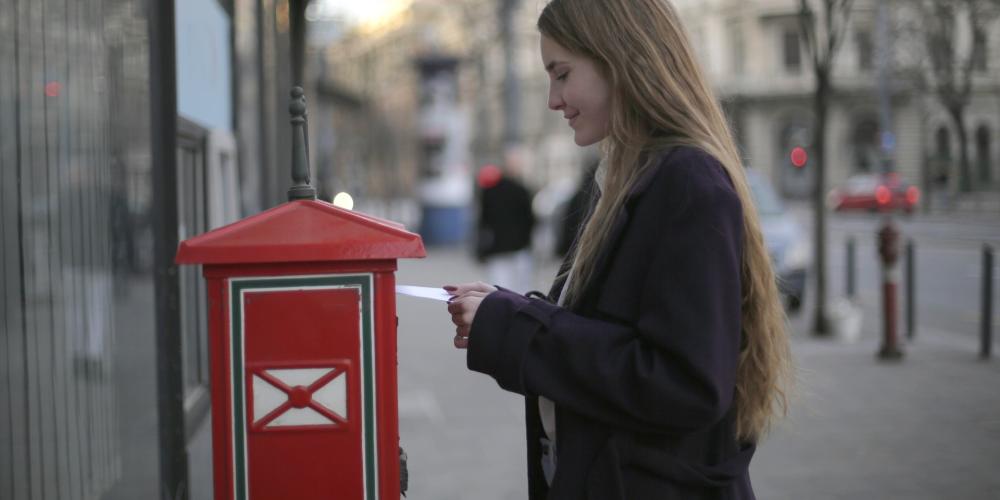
(301, 189)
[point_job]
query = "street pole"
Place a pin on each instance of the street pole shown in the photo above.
(851, 261)
(511, 85)
(173, 462)
(986, 326)
(888, 235)
(884, 55)
(297, 25)
(888, 249)
(911, 291)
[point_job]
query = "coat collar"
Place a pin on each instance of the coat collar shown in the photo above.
(614, 235)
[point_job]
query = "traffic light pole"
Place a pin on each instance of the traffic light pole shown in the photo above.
(888, 235)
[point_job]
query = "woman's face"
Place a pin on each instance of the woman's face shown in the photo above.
(579, 90)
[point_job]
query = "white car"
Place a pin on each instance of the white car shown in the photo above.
(788, 244)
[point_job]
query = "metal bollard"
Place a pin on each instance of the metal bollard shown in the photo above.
(986, 332)
(888, 249)
(911, 290)
(850, 268)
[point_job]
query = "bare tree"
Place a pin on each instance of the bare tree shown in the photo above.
(952, 34)
(823, 31)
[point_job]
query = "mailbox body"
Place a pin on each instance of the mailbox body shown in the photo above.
(303, 353)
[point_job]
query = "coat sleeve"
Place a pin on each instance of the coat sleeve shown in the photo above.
(671, 371)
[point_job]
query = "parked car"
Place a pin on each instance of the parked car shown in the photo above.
(874, 193)
(788, 244)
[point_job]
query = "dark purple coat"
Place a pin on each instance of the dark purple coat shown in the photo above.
(642, 370)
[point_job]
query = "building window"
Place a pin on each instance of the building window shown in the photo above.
(984, 154)
(866, 145)
(979, 58)
(942, 156)
(738, 51)
(792, 50)
(866, 50)
(192, 220)
(942, 141)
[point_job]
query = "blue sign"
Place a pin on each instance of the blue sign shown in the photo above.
(888, 141)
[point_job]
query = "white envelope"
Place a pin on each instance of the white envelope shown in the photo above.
(424, 292)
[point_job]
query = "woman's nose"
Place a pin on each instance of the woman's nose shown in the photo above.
(555, 101)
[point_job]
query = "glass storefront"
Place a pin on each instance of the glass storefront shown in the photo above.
(77, 357)
(88, 314)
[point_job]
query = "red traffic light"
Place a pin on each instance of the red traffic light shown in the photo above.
(53, 88)
(799, 157)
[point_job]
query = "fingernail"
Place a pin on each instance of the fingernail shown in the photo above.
(450, 288)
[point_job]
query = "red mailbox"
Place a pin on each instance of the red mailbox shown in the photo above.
(302, 334)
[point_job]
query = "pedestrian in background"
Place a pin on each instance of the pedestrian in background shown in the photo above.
(503, 236)
(659, 358)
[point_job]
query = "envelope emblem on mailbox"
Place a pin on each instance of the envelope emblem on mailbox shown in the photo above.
(297, 397)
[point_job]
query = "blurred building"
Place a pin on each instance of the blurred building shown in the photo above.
(754, 54)
(752, 50)
(380, 140)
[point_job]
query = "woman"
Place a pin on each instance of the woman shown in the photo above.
(660, 357)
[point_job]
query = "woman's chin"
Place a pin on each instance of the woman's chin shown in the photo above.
(584, 140)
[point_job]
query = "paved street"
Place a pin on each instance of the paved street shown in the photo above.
(948, 266)
(925, 428)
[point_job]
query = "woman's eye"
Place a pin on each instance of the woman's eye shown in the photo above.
(562, 76)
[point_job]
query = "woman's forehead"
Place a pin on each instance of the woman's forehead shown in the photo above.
(553, 53)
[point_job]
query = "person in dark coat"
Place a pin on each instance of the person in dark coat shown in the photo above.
(659, 358)
(506, 221)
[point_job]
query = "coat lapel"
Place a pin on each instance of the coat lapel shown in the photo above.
(619, 225)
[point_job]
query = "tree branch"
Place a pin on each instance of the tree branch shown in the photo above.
(807, 25)
(842, 11)
(980, 15)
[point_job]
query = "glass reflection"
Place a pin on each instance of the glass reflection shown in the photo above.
(78, 398)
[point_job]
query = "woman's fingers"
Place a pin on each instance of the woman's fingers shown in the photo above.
(463, 312)
(461, 302)
(463, 288)
(463, 309)
(462, 337)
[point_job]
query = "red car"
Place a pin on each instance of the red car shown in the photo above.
(874, 193)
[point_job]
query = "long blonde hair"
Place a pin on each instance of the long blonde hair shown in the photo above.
(661, 99)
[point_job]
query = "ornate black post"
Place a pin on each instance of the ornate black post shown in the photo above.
(301, 189)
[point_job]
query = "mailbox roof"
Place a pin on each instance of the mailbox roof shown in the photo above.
(302, 231)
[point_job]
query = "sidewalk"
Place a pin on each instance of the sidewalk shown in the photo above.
(927, 427)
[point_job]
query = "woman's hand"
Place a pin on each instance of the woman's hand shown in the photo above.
(463, 306)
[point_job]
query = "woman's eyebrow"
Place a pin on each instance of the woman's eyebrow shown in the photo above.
(553, 64)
